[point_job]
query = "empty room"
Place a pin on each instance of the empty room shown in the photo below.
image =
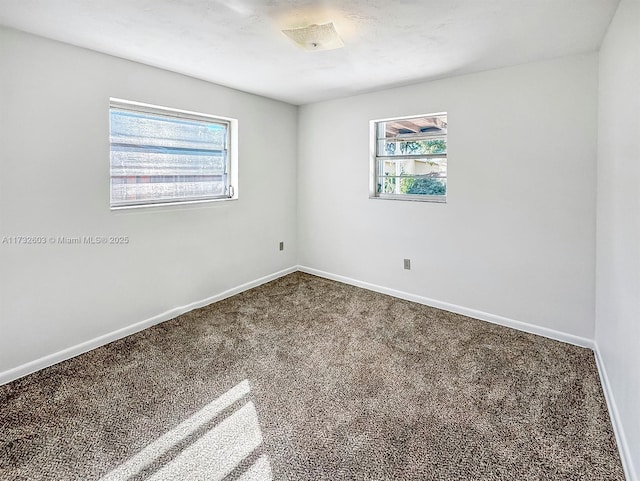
(256, 240)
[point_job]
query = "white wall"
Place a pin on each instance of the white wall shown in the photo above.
(517, 235)
(54, 180)
(618, 223)
(516, 238)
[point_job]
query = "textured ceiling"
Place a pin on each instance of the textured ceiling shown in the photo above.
(238, 43)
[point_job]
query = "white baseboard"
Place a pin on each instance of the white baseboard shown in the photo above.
(51, 359)
(465, 311)
(618, 430)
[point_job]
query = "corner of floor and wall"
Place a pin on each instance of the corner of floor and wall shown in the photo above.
(540, 231)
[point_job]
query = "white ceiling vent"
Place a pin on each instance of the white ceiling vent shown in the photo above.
(315, 37)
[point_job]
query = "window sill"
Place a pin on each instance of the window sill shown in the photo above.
(439, 199)
(171, 204)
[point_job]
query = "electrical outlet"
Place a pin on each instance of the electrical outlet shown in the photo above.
(281, 245)
(407, 264)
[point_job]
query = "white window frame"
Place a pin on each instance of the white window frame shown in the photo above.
(232, 190)
(375, 159)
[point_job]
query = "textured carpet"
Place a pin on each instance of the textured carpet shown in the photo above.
(308, 379)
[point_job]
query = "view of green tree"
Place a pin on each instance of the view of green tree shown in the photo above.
(423, 186)
(413, 185)
(417, 147)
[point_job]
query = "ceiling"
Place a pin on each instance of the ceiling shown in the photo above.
(238, 43)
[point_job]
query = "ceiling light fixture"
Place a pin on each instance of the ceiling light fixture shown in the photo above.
(315, 37)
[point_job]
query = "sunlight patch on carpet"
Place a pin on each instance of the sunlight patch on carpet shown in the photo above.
(214, 455)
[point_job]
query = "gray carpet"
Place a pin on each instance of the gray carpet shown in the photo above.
(308, 379)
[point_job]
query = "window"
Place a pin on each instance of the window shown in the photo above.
(409, 158)
(165, 156)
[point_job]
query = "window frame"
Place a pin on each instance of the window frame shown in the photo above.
(375, 160)
(231, 188)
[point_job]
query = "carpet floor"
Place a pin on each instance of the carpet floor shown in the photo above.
(308, 379)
